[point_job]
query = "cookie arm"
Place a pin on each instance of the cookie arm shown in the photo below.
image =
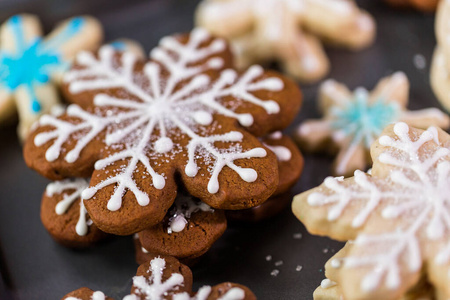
(225, 18)
(72, 36)
(340, 22)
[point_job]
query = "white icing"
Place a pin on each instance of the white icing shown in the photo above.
(153, 288)
(151, 108)
(98, 295)
(184, 207)
(327, 283)
(78, 186)
(415, 193)
(282, 152)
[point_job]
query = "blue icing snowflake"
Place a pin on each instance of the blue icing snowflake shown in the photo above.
(33, 61)
(362, 119)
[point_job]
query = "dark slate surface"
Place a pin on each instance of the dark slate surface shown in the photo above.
(35, 267)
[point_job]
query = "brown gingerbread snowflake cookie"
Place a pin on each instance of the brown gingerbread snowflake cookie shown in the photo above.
(397, 217)
(64, 215)
(86, 294)
(164, 277)
(188, 230)
(136, 126)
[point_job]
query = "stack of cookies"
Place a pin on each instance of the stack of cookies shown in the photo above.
(163, 147)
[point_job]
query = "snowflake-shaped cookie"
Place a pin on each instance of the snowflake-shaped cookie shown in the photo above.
(352, 121)
(139, 124)
(163, 277)
(64, 215)
(399, 217)
(31, 67)
(288, 31)
(440, 66)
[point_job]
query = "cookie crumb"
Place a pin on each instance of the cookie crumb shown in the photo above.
(297, 236)
(419, 61)
(325, 250)
(275, 273)
(298, 268)
(268, 257)
(278, 263)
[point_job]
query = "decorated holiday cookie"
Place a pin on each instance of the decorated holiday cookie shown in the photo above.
(32, 66)
(64, 216)
(290, 167)
(440, 66)
(352, 121)
(188, 230)
(423, 5)
(288, 31)
(138, 125)
(397, 217)
(330, 290)
(86, 294)
(164, 277)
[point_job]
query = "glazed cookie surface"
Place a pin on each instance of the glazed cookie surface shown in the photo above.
(136, 125)
(397, 217)
(353, 121)
(32, 65)
(188, 230)
(289, 32)
(64, 215)
(163, 277)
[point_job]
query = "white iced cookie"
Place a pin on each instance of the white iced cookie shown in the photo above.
(31, 66)
(288, 31)
(352, 121)
(396, 219)
(440, 67)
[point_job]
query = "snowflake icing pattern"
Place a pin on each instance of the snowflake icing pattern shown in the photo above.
(154, 288)
(171, 96)
(62, 187)
(414, 194)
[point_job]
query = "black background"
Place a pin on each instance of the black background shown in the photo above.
(35, 267)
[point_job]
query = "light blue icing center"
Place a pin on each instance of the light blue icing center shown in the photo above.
(33, 62)
(364, 120)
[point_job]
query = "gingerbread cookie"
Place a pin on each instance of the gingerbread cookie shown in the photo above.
(330, 290)
(397, 217)
(86, 294)
(352, 121)
(289, 32)
(440, 66)
(423, 5)
(290, 167)
(64, 216)
(163, 277)
(136, 125)
(188, 230)
(32, 66)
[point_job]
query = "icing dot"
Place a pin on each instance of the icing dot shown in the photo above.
(248, 175)
(272, 107)
(163, 145)
(314, 199)
(336, 263)
(401, 128)
(203, 117)
(35, 106)
(159, 182)
(178, 224)
(88, 193)
(385, 140)
(191, 169)
(245, 120)
(218, 45)
(215, 63)
(273, 84)
(327, 283)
